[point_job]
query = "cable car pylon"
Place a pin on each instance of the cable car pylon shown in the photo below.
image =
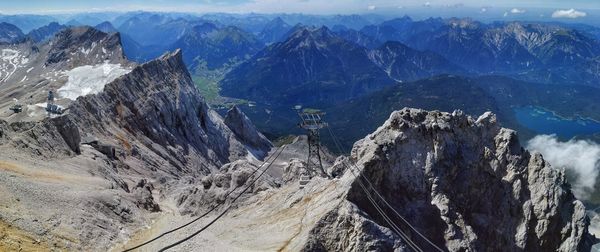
(312, 122)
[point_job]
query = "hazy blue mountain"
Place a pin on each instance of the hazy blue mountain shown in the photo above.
(253, 23)
(106, 27)
(131, 48)
(312, 65)
(541, 52)
(356, 36)
(353, 21)
(155, 29)
(27, 22)
(401, 29)
(10, 33)
(214, 47)
(45, 32)
(403, 63)
(274, 31)
(73, 23)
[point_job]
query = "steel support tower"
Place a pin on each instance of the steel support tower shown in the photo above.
(312, 121)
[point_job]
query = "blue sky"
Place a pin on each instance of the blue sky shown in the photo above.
(304, 6)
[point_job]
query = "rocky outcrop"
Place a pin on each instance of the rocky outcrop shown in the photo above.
(52, 137)
(466, 184)
(244, 129)
(85, 44)
(197, 195)
(143, 195)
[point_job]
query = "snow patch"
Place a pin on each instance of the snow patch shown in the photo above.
(86, 80)
(10, 61)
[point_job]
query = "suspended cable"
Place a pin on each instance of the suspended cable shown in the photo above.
(226, 209)
(338, 146)
(204, 214)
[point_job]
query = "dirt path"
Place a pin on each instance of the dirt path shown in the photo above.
(162, 222)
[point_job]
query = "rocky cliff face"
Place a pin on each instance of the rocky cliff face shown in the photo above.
(244, 129)
(464, 183)
(157, 109)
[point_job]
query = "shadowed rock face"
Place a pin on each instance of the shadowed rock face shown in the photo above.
(466, 184)
(244, 129)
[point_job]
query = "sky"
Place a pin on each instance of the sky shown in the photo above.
(285, 6)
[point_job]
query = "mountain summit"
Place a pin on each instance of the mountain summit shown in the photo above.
(311, 65)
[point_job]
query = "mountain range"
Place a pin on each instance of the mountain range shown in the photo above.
(137, 150)
(316, 65)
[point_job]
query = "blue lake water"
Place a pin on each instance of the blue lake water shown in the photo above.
(545, 122)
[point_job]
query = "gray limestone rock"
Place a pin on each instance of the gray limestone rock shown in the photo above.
(244, 129)
(468, 185)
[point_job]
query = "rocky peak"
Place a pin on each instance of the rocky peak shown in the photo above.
(163, 113)
(468, 185)
(85, 46)
(311, 37)
(245, 131)
(276, 22)
(46, 32)
(274, 30)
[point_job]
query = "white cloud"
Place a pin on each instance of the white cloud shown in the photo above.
(580, 158)
(372, 7)
(505, 14)
(483, 10)
(571, 13)
(427, 4)
(517, 11)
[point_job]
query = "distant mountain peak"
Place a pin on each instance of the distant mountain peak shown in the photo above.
(45, 32)
(463, 23)
(106, 27)
(85, 44)
(205, 27)
(10, 33)
(311, 36)
(278, 20)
